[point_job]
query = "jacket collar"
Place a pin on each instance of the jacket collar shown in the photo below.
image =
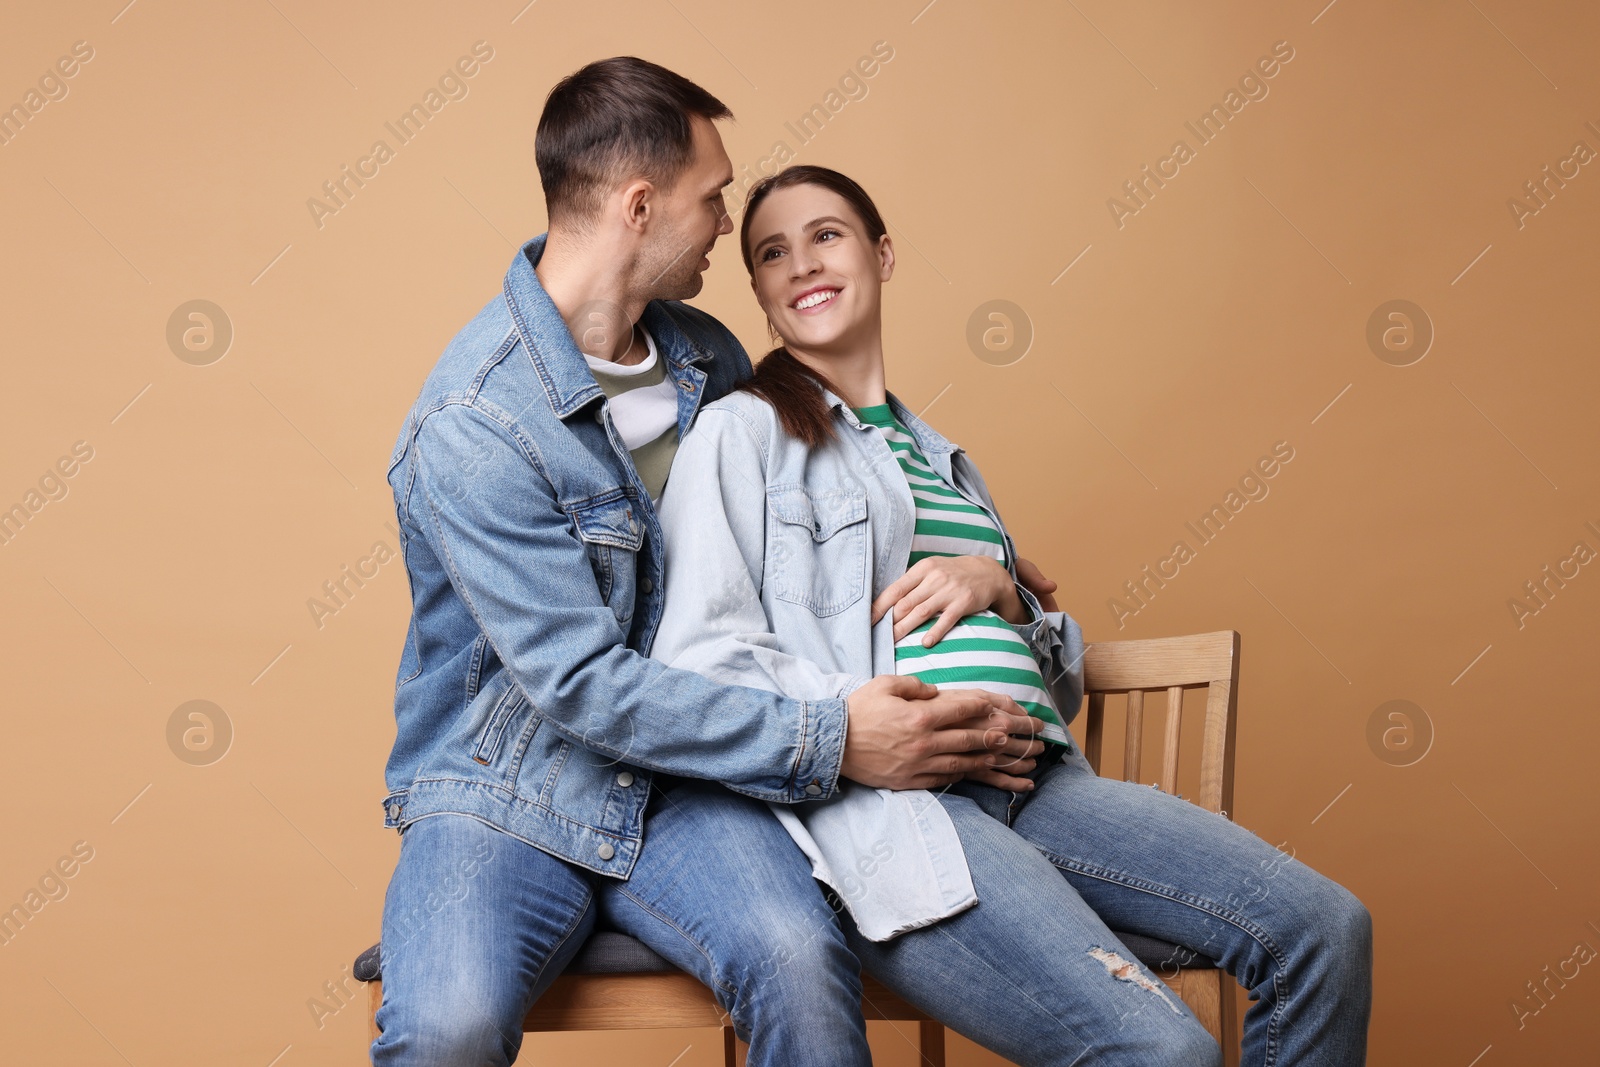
(931, 441)
(556, 359)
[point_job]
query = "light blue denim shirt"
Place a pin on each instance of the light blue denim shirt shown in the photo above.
(775, 553)
(524, 697)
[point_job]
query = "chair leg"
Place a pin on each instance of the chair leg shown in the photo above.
(374, 1002)
(930, 1041)
(1202, 991)
(737, 1051)
(1227, 999)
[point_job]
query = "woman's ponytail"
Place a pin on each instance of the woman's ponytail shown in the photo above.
(795, 391)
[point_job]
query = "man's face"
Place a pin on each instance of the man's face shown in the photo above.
(691, 216)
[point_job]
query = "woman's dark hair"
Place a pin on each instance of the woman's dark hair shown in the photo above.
(793, 389)
(612, 120)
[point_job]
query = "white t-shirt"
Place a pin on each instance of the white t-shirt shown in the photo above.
(644, 409)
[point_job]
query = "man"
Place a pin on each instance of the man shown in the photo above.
(531, 725)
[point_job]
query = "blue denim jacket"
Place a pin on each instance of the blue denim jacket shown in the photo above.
(775, 553)
(524, 697)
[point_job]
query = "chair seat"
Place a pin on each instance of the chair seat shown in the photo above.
(1163, 957)
(610, 952)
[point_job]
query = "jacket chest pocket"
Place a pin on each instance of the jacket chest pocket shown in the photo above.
(612, 533)
(817, 547)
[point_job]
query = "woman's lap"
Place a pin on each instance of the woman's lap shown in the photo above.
(1031, 971)
(1155, 864)
(1151, 863)
(1117, 835)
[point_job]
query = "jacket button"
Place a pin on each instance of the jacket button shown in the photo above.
(625, 779)
(606, 851)
(394, 811)
(813, 790)
(646, 585)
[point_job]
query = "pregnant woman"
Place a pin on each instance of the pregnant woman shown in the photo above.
(819, 533)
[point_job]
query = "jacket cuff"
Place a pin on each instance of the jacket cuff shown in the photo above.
(1030, 603)
(822, 750)
(1057, 641)
(1038, 631)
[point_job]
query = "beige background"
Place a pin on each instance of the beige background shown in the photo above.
(1228, 314)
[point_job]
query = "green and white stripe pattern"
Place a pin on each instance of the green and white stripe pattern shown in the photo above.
(982, 651)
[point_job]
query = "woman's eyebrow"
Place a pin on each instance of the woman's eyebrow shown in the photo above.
(813, 224)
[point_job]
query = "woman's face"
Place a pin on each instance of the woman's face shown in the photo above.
(815, 272)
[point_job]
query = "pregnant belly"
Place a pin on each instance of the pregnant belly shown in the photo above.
(982, 651)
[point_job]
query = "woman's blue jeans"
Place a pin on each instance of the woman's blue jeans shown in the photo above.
(1034, 973)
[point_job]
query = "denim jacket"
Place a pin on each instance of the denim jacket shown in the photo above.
(775, 553)
(524, 697)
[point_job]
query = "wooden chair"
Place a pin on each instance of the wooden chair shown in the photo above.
(616, 983)
(1175, 664)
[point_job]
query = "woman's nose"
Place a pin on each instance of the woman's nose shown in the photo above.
(802, 262)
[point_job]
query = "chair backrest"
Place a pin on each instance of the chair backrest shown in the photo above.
(1174, 664)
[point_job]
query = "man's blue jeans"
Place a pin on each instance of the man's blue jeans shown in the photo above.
(1034, 973)
(477, 924)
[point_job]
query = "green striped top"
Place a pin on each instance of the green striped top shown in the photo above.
(982, 651)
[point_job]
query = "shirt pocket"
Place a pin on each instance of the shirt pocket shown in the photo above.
(612, 534)
(817, 547)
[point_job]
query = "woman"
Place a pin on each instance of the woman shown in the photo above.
(817, 533)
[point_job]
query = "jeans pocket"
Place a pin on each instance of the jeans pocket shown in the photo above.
(817, 548)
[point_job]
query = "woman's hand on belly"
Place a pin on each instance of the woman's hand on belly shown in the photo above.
(951, 588)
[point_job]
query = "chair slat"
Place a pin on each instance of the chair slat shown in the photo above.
(1134, 745)
(1093, 728)
(1169, 746)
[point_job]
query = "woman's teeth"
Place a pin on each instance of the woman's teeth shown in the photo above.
(820, 297)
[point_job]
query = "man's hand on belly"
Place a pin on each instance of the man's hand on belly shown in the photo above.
(906, 734)
(1037, 584)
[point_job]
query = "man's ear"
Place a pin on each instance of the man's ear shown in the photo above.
(885, 258)
(638, 199)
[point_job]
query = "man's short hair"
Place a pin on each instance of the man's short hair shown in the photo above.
(614, 120)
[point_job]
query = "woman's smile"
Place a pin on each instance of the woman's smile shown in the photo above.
(816, 300)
